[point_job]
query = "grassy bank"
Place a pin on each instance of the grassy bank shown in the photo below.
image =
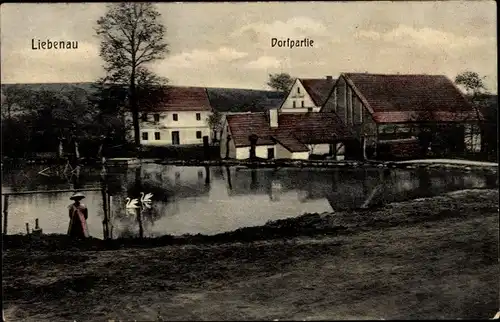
(428, 258)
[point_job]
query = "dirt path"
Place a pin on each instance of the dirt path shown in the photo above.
(447, 268)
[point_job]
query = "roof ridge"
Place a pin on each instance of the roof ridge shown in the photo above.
(380, 74)
(322, 79)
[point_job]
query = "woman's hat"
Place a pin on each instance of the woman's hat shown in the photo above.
(77, 196)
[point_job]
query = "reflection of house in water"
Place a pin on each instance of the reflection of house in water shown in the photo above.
(276, 190)
(252, 181)
(346, 189)
(341, 190)
(171, 182)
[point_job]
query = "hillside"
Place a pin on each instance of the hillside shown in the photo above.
(222, 99)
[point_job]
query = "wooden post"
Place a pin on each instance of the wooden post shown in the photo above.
(110, 199)
(363, 148)
(27, 228)
(228, 174)
(105, 209)
(5, 213)
(206, 148)
(253, 182)
(139, 219)
(227, 146)
(207, 175)
(253, 143)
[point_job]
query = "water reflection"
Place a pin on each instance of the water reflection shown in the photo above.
(212, 200)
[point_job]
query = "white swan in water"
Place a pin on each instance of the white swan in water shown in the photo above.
(132, 206)
(146, 199)
(131, 203)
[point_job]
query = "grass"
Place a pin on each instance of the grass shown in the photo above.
(422, 259)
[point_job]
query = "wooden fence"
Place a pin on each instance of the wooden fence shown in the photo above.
(105, 195)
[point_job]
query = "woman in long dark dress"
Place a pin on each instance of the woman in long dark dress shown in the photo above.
(78, 215)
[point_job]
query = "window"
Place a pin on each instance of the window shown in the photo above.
(198, 116)
(387, 128)
(472, 138)
(175, 117)
(294, 105)
(298, 90)
(198, 134)
(157, 135)
(144, 136)
(156, 117)
(309, 109)
(302, 103)
(144, 117)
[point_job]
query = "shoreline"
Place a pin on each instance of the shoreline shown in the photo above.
(286, 163)
(309, 224)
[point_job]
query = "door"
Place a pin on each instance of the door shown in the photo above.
(175, 137)
(270, 153)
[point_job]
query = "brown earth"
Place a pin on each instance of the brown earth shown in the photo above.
(422, 259)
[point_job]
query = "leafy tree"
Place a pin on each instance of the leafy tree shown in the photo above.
(474, 87)
(131, 37)
(477, 92)
(42, 119)
(281, 82)
(14, 99)
(214, 122)
(471, 82)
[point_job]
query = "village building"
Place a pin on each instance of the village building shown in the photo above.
(282, 135)
(178, 117)
(405, 115)
(307, 95)
(227, 101)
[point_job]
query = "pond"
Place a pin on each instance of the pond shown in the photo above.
(191, 200)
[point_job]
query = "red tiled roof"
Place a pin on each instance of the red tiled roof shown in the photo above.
(416, 116)
(293, 132)
(407, 98)
(290, 142)
(182, 98)
(318, 88)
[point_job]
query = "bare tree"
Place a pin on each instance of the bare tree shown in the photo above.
(131, 37)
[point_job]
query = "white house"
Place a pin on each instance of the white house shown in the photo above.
(282, 135)
(179, 119)
(307, 95)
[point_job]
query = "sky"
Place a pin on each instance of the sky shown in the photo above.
(229, 44)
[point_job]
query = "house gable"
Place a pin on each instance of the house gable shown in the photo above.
(347, 102)
(298, 95)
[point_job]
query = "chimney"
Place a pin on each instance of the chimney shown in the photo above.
(329, 78)
(273, 117)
